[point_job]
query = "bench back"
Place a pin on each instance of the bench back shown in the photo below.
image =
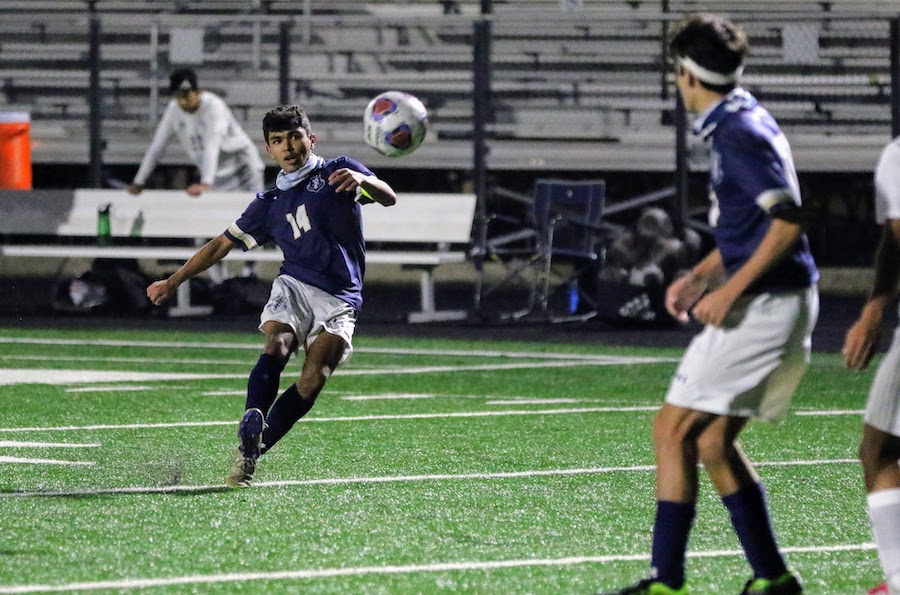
(416, 218)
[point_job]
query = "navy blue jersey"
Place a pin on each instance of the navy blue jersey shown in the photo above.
(751, 180)
(318, 230)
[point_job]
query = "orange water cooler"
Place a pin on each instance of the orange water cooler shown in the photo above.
(15, 150)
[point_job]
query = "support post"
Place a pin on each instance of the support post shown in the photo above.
(482, 114)
(95, 100)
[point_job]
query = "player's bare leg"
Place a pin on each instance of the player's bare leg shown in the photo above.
(880, 453)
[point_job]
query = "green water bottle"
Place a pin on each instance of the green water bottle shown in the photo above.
(104, 227)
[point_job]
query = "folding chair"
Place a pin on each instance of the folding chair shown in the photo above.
(564, 228)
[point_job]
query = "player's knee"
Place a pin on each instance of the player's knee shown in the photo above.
(714, 448)
(281, 345)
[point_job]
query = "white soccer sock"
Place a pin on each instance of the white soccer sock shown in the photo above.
(884, 514)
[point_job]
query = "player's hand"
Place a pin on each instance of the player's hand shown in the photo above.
(682, 294)
(346, 179)
(160, 291)
(135, 189)
(713, 308)
(197, 189)
(861, 341)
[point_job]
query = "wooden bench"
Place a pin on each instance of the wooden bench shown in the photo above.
(422, 231)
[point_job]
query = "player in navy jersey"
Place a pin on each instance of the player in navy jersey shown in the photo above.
(313, 215)
(756, 295)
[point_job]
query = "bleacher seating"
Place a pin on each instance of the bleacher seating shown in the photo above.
(590, 75)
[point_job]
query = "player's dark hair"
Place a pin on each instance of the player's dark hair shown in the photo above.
(182, 79)
(285, 117)
(713, 42)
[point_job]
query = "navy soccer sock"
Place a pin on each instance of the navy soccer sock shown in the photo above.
(262, 386)
(750, 518)
(670, 537)
(289, 407)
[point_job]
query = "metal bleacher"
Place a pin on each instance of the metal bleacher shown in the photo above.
(590, 80)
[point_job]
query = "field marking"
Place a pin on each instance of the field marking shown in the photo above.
(190, 424)
(320, 573)
(14, 444)
(526, 401)
(20, 460)
(205, 489)
(834, 412)
(402, 397)
(380, 350)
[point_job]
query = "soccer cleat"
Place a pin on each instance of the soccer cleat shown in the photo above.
(650, 587)
(881, 589)
(786, 584)
(250, 431)
(241, 473)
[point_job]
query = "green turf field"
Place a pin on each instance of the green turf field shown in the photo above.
(428, 466)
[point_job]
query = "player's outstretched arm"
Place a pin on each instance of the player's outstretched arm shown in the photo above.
(862, 338)
(346, 179)
(211, 253)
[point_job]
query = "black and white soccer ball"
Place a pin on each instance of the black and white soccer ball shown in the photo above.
(395, 123)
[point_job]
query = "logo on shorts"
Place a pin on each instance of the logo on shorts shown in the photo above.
(278, 303)
(316, 183)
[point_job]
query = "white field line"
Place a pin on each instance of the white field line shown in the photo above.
(19, 460)
(9, 376)
(381, 350)
(190, 424)
(401, 397)
(559, 401)
(391, 479)
(325, 573)
(127, 360)
(114, 388)
(835, 412)
(14, 444)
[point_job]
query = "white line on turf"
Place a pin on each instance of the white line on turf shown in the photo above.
(836, 412)
(382, 350)
(189, 424)
(14, 444)
(19, 460)
(391, 479)
(323, 573)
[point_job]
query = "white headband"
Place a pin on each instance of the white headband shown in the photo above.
(708, 76)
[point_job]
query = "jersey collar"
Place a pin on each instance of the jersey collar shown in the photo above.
(286, 181)
(738, 99)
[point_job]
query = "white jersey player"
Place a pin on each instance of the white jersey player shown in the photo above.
(879, 450)
(210, 135)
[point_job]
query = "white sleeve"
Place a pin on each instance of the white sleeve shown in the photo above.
(164, 130)
(887, 183)
(216, 129)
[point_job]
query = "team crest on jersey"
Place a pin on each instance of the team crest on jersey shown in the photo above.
(278, 303)
(316, 183)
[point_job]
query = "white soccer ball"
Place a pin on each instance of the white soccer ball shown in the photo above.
(395, 123)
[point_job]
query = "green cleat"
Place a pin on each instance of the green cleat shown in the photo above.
(650, 587)
(786, 584)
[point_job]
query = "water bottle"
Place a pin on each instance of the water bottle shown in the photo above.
(573, 297)
(137, 226)
(104, 228)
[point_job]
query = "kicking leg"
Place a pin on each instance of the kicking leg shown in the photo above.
(322, 357)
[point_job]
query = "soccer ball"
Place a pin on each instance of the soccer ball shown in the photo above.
(395, 123)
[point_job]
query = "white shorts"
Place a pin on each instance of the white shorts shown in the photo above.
(750, 366)
(883, 406)
(309, 311)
